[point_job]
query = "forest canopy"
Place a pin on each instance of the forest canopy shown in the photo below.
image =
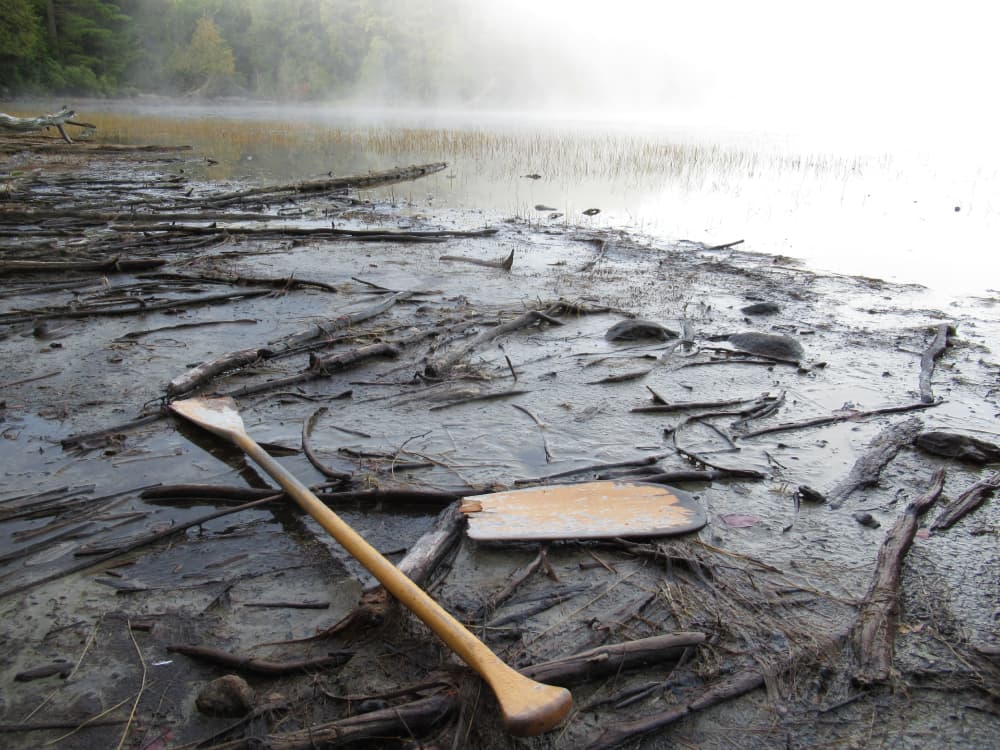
(399, 51)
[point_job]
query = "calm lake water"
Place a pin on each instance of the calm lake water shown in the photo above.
(898, 206)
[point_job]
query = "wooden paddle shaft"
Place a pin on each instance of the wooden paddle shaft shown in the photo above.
(529, 707)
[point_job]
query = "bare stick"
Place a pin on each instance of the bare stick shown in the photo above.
(313, 459)
(262, 666)
(855, 416)
(875, 632)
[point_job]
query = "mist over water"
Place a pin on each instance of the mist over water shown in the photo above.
(857, 136)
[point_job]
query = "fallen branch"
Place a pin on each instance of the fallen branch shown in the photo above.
(937, 346)
(614, 658)
(440, 366)
(56, 120)
(875, 632)
(341, 476)
(965, 503)
(854, 416)
(370, 180)
(504, 265)
(406, 721)
(265, 667)
(868, 468)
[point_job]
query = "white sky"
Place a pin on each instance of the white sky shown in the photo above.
(921, 65)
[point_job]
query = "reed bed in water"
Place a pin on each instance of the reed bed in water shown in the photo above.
(556, 153)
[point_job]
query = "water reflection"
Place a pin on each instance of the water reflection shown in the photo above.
(886, 209)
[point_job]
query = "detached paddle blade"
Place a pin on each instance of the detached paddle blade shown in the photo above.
(219, 415)
(591, 510)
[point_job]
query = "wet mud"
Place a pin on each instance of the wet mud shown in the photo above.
(775, 581)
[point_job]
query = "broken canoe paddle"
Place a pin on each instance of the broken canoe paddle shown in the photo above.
(589, 510)
(528, 707)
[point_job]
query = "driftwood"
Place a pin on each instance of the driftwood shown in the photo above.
(722, 690)
(937, 346)
(405, 721)
(504, 265)
(614, 659)
(965, 503)
(440, 366)
(113, 265)
(265, 667)
(867, 469)
(340, 476)
(876, 628)
(198, 376)
(854, 416)
(133, 545)
(139, 308)
(418, 565)
(332, 184)
(56, 120)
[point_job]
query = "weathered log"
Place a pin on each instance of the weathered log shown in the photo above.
(614, 658)
(965, 503)
(372, 179)
(937, 346)
(875, 632)
(114, 265)
(868, 468)
(266, 667)
(56, 120)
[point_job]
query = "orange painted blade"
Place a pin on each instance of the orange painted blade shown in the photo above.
(591, 510)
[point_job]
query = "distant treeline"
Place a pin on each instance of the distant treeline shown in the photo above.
(390, 50)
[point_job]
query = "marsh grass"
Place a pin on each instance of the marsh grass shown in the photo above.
(631, 159)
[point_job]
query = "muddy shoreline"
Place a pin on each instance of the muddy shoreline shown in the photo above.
(776, 582)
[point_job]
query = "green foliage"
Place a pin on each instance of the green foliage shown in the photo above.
(406, 51)
(208, 56)
(20, 42)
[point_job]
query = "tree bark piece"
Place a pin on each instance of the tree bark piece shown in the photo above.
(875, 633)
(965, 503)
(868, 468)
(938, 344)
(114, 265)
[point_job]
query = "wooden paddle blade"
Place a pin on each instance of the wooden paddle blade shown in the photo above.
(591, 510)
(219, 415)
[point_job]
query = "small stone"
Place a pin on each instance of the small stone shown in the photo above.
(866, 519)
(543, 207)
(768, 345)
(591, 212)
(229, 696)
(637, 328)
(761, 308)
